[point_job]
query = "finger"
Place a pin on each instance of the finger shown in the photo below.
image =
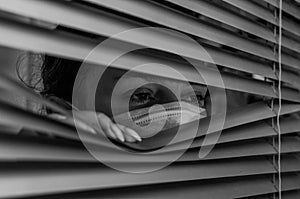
(130, 132)
(105, 124)
(117, 132)
(57, 116)
(127, 136)
(103, 120)
(79, 124)
(110, 133)
(85, 127)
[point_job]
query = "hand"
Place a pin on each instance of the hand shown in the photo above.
(112, 130)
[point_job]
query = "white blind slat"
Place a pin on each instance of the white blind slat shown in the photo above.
(229, 18)
(264, 14)
(43, 41)
(254, 130)
(286, 7)
(239, 165)
(63, 180)
(166, 17)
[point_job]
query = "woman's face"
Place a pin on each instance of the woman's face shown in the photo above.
(138, 91)
(149, 104)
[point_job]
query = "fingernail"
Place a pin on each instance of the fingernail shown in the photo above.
(57, 116)
(117, 132)
(90, 129)
(86, 127)
(111, 134)
(129, 138)
(62, 117)
(134, 134)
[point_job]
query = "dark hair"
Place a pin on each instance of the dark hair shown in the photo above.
(53, 77)
(58, 76)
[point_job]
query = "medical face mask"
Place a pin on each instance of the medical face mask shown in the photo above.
(151, 120)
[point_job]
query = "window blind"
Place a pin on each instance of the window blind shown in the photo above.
(46, 158)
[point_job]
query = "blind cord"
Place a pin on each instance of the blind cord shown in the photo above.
(279, 100)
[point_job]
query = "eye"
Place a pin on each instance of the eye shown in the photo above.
(194, 98)
(142, 96)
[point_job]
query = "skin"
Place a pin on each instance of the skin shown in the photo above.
(147, 91)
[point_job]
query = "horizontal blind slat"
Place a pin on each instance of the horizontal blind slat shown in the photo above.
(100, 23)
(255, 112)
(28, 120)
(15, 116)
(260, 129)
(227, 17)
(154, 13)
(30, 148)
(10, 85)
(63, 180)
(245, 149)
(43, 41)
(264, 14)
(37, 180)
(91, 178)
(218, 57)
(251, 7)
(242, 188)
(222, 15)
(260, 185)
(286, 7)
(285, 195)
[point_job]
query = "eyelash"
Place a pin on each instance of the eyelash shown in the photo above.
(194, 98)
(137, 97)
(145, 96)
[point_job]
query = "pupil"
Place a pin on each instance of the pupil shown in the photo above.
(143, 96)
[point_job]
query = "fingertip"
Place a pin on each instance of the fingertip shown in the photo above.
(111, 134)
(129, 138)
(133, 134)
(57, 116)
(86, 127)
(117, 132)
